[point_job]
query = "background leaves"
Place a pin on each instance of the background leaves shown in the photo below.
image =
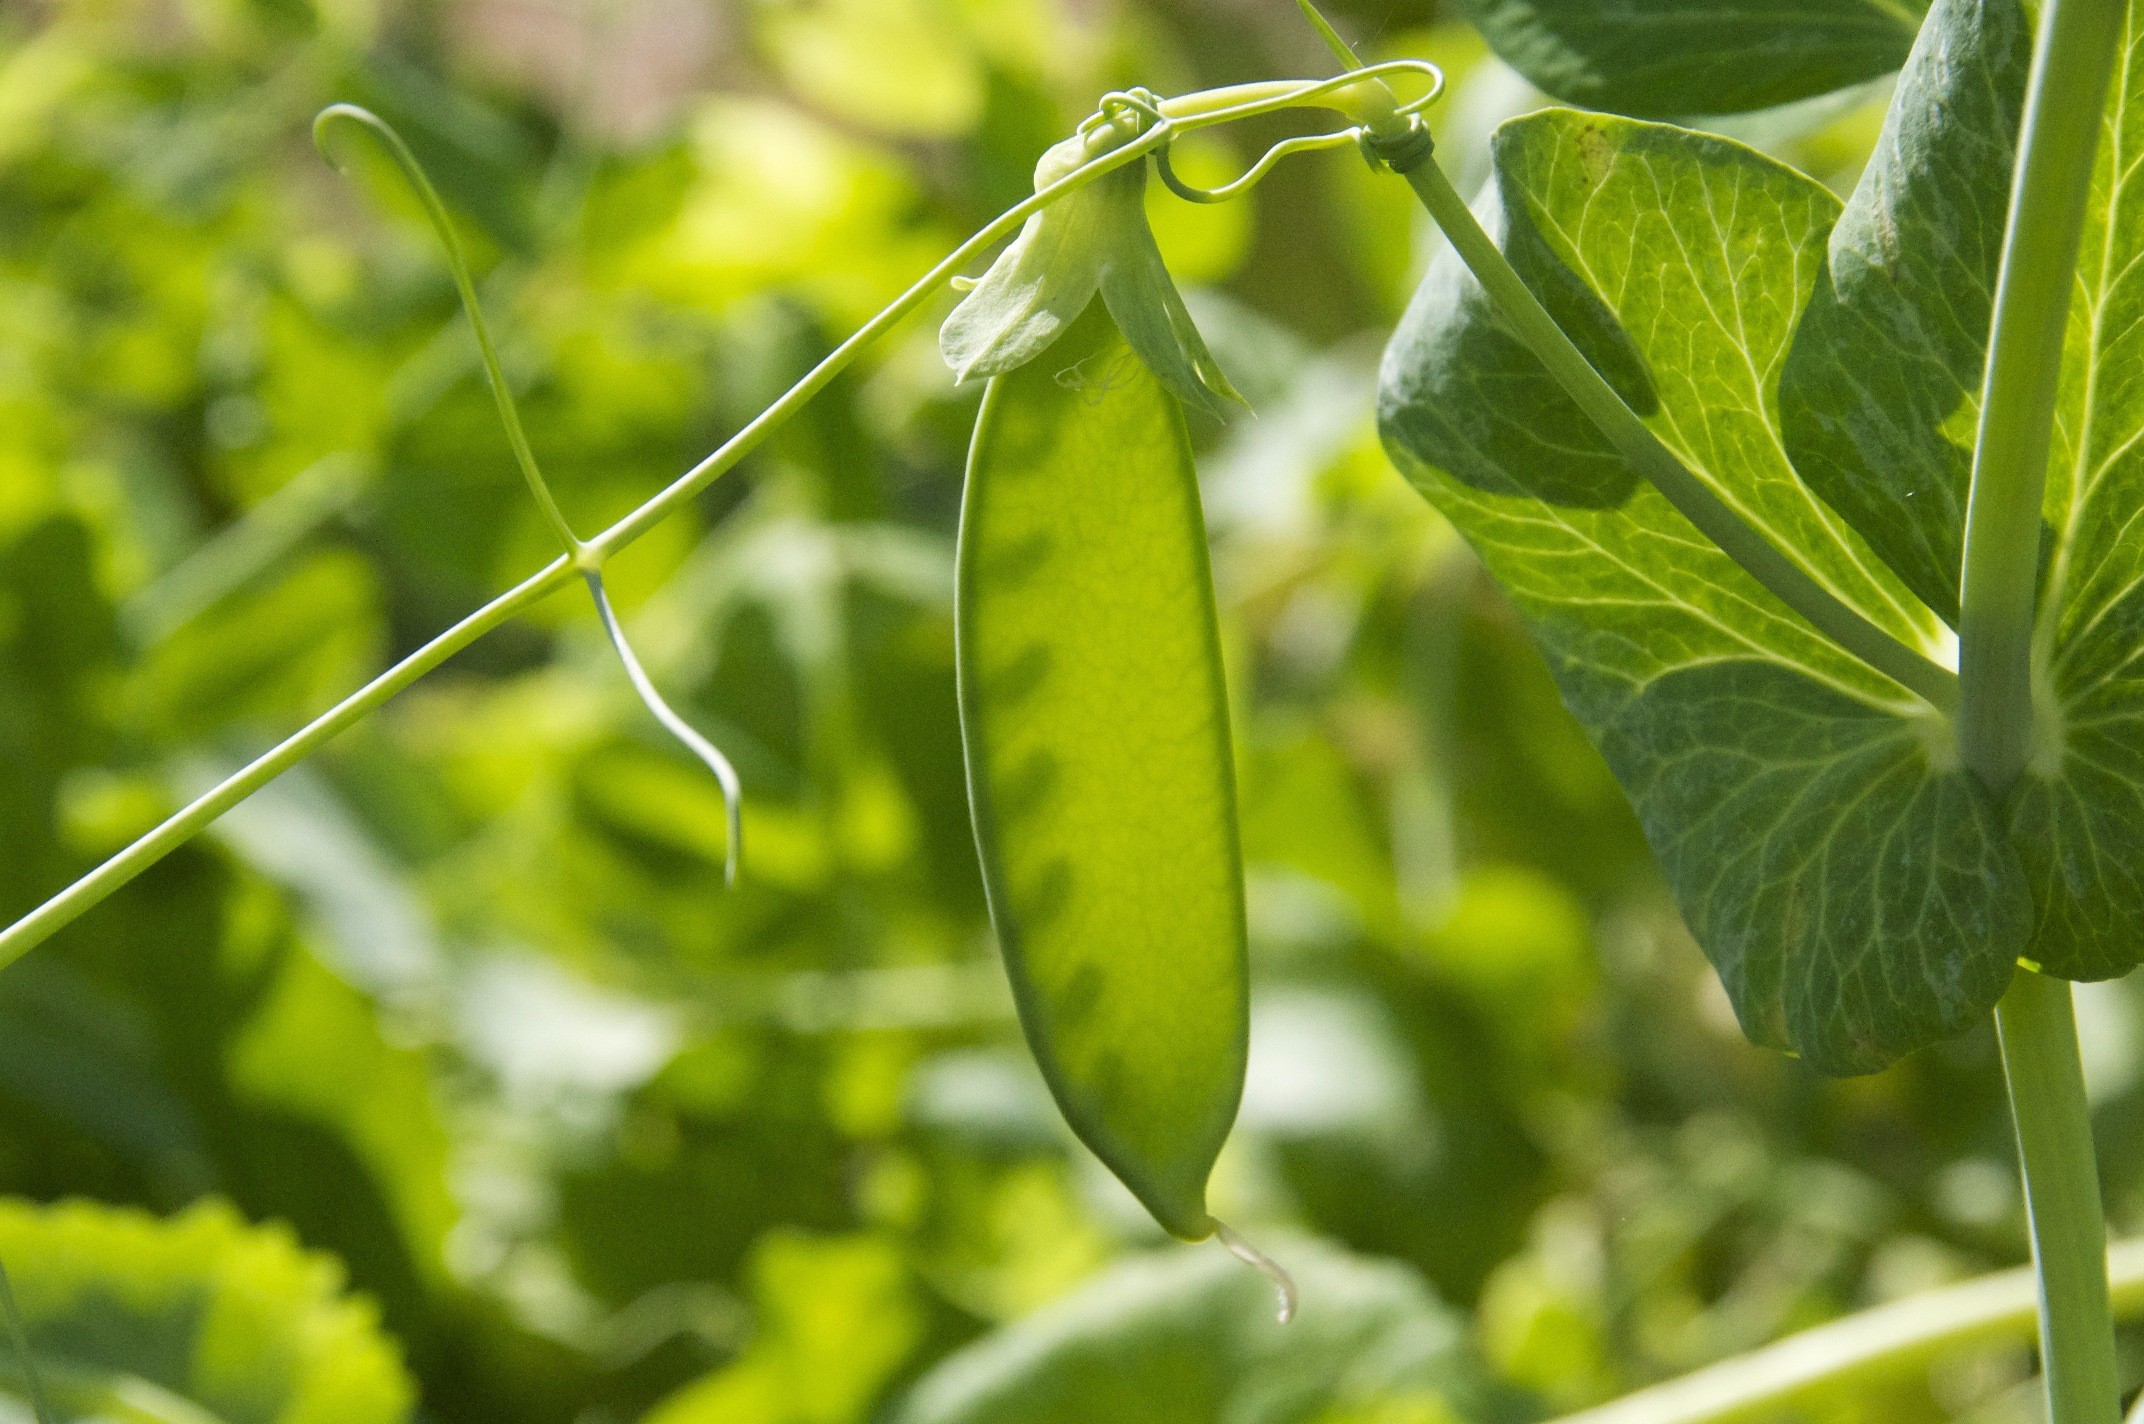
(132, 1318)
(1663, 58)
(1181, 1336)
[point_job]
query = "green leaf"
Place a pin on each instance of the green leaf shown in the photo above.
(279, 653)
(836, 1318)
(199, 1317)
(1849, 881)
(1656, 58)
(1881, 404)
(1096, 721)
(1880, 397)
(1190, 1335)
(2078, 816)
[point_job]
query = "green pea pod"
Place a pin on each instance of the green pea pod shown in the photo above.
(1096, 721)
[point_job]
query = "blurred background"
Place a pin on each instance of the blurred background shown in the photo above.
(463, 1003)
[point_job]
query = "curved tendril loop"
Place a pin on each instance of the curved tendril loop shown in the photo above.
(1144, 114)
(436, 210)
(1235, 187)
(525, 456)
(706, 751)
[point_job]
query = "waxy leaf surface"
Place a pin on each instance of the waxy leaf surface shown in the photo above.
(2078, 819)
(1880, 397)
(1881, 403)
(1848, 879)
(1658, 58)
(1099, 766)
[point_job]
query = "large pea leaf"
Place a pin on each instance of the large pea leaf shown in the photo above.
(1880, 396)
(1655, 58)
(1848, 879)
(196, 1318)
(1881, 402)
(1190, 1335)
(2078, 818)
(1099, 767)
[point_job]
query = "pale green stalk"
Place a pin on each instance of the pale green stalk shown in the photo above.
(2064, 110)
(2064, 107)
(240, 551)
(436, 210)
(709, 754)
(1833, 1360)
(2038, 1028)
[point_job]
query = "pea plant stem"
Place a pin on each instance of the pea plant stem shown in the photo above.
(1829, 1363)
(2064, 106)
(2038, 1029)
(1636, 442)
(1209, 108)
(587, 556)
(67, 906)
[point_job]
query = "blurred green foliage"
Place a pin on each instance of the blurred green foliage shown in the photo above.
(463, 1004)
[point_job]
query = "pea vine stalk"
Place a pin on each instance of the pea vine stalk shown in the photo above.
(2073, 66)
(586, 558)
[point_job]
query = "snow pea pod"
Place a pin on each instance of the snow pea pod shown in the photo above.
(1095, 715)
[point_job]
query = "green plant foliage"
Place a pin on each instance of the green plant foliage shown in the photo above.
(133, 1318)
(1861, 389)
(1886, 418)
(1784, 792)
(1660, 58)
(1190, 1335)
(464, 1006)
(1880, 395)
(1099, 763)
(1790, 794)
(837, 1319)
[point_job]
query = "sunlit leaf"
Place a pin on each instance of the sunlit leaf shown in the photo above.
(1880, 395)
(1847, 878)
(1884, 398)
(1098, 760)
(899, 65)
(1190, 1335)
(201, 1316)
